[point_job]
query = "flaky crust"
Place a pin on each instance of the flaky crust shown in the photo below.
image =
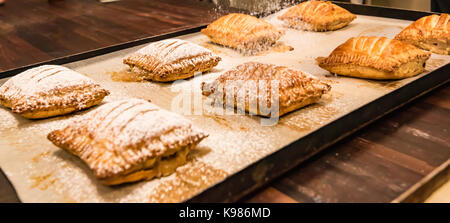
(296, 89)
(430, 33)
(48, 91)
(317, 16)
(242, 32)
(129, 140)
(375, 58)
(170, 60)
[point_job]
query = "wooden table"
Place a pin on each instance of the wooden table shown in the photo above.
(377, 164)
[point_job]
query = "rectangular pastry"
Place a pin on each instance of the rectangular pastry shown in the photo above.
(295, 88)
(170, 60)
(317, 16)
(430, 33)
(242, 32)
(375, 58)
(50, 90)
(129, 140)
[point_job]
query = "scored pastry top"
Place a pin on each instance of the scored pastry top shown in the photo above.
(430, 33)
(171, 50)
(118, 136)
(437, 26)
(50, 87)
(42, 80)
(294, 87)
(318, 16)
(171, 59)
(242, 31)
(376, 52)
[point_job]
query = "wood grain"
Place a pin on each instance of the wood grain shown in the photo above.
(377, 164)
(32, 31)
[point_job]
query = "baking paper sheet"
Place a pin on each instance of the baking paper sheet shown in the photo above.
(40, 172)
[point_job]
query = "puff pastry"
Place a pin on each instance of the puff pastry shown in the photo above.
(375, 58)
(50, 90)
(170, 60)
(242, 32)
(430, 33)
(295, 88)
(317, 16)
(129, 140)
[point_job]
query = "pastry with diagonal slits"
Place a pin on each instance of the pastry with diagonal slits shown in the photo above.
(170, 60)
(50, 90)
(129, 140)
(430, 33)
(243, 32)
(375, 58)
(317, 16)
(295, 88)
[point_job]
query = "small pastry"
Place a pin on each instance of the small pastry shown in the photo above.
(430, 33)
(375, 58)
(242, 32)
(128, 141)
(317, 16)
(50, 90)
(170, 60)
(295, 89)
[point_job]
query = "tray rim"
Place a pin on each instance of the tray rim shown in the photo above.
(377, 11)
(421, 86)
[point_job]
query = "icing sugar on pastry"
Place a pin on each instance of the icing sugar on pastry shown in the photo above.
(170, 50)
(42, 79)
(171, 59)
(296, 89)
(243, 32)
(129, 140)
(317, 16)
(50, 90)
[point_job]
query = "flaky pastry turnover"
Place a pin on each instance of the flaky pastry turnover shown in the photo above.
(375, 58)
(243, 32)
(251, 83)
(317, 16)
(430, 33)
(130, 140)
(50, 90)
(170, 60)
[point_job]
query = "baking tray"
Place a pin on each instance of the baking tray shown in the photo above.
(240, 155)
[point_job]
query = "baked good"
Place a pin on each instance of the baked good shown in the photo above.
(375, 58)
(243, 32)
(171, 59)
(129, 140)
(247, 83)
(317, 16)
(429, 33)
(50, 90)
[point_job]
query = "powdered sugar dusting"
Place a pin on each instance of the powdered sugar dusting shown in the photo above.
(171, 50)
(50, 87)
(128, 132)
(42, 79)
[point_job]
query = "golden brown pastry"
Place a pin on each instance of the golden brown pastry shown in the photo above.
(129, 140)
(295, 88)
(170, 60)
(317, 16)
(50, 90)
(430, 33)
(375, 58)
(242, 32)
